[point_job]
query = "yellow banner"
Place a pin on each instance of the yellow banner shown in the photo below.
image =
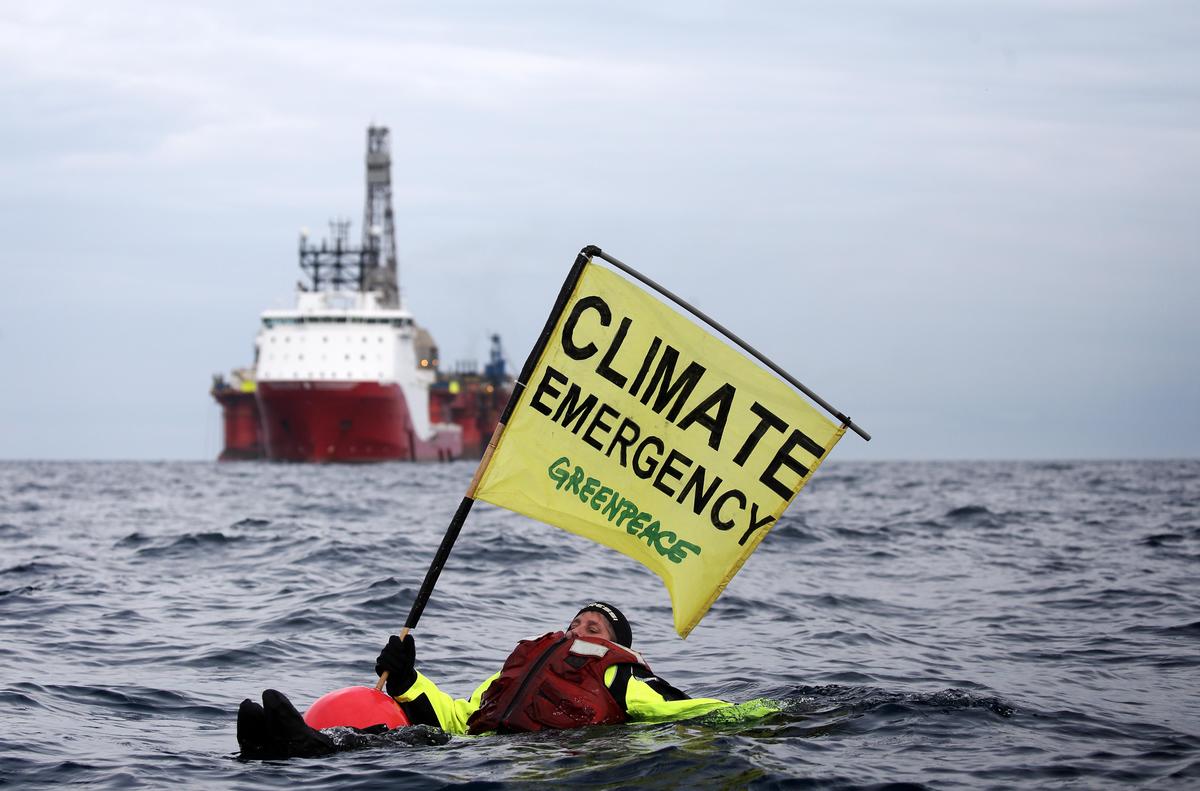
(644, 432)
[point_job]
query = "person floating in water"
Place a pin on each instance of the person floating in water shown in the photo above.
(585, 675)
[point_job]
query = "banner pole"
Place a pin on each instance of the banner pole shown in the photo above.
(598, 253)
(464, 507)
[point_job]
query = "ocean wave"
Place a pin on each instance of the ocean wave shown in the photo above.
(930, 624)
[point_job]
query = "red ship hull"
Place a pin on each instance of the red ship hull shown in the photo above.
(345, 422)
(474, 404)
(239, 411)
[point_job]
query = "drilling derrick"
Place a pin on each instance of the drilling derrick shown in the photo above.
(379, 231)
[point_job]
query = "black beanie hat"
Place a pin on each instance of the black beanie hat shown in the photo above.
(615, 619)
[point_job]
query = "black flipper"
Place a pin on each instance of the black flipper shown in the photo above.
(254, 734)
(286, 726)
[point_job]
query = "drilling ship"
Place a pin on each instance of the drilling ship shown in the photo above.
(348, 375)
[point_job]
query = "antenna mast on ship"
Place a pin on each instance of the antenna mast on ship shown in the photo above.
(379, 232)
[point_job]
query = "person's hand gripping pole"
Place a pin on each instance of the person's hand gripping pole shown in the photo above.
(395, 665)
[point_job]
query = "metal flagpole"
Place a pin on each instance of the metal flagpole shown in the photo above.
(847, 422)
(464, 507)
(564, 296)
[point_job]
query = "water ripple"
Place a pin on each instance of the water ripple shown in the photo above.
(916, 625)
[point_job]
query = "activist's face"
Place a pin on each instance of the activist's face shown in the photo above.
(591, 624)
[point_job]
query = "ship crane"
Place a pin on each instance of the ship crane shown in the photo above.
(379, 230)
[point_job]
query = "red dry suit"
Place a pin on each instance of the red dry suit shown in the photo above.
(555, 681)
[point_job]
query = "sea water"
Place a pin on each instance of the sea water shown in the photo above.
(941, 625)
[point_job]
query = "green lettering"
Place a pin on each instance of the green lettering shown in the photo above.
(599, 497)
(628, 509)
(613, 507)
(558, 473)
(576, 478)
(589, 489)
(678, 552)
(650, 532)
(641, 524)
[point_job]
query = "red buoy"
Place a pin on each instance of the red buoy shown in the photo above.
(357, 707)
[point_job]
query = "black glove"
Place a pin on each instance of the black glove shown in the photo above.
(397, 658)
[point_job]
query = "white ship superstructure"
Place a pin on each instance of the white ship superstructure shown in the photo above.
(348, 337)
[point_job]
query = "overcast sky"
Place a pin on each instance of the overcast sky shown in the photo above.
(973, 227)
